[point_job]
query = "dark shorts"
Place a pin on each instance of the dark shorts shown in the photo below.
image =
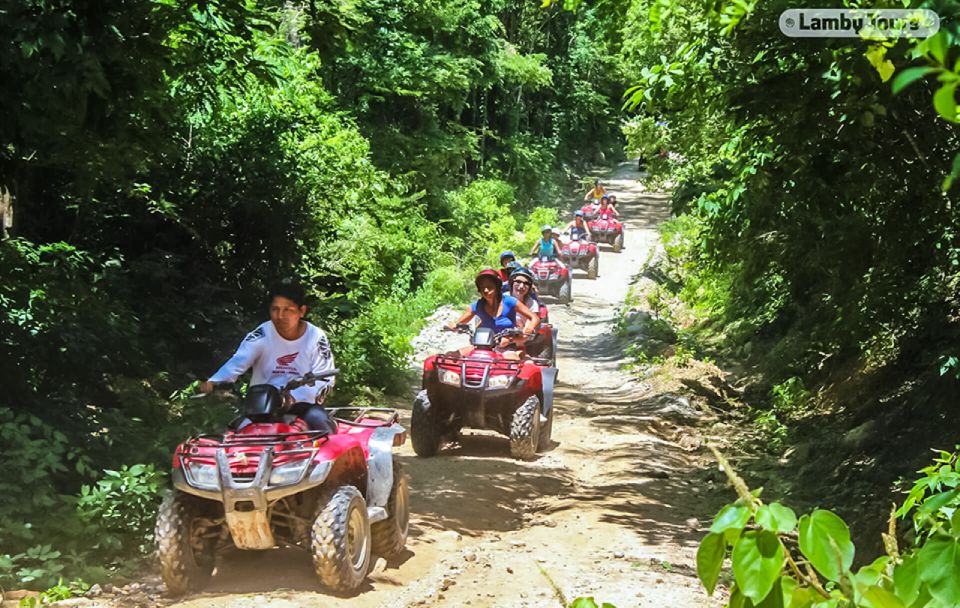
(316, 417)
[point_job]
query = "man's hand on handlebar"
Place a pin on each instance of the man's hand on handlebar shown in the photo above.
(208, 387)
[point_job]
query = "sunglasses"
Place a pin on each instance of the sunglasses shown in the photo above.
(527, 283)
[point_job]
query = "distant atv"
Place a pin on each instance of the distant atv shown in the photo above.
(589, 211)
(269, 481)
(484, 390)
(608, 231)
(581, 253)
(552, 278)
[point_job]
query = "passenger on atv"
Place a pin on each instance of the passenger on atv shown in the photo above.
(578, 228)
(497, 311)
(521, 287)
(283, 348)
(606, 212)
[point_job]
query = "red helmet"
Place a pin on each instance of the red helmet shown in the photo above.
(488, 272)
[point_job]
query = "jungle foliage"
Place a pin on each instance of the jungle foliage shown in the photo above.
(167, 160)
(817, 221)
(816, 240)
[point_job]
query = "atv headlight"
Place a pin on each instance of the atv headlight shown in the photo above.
(500, 381)
(203, 476)
(449, 377)
(288, 473)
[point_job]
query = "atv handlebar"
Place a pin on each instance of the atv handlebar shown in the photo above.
(310, 378)
(461, 328)
(225, 388)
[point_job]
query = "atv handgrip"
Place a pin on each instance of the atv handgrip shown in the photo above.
(508, 333)
(310, 378)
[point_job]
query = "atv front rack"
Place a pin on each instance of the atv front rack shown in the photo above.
(507, 365)
(283, 441)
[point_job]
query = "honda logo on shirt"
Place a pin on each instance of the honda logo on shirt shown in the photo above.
(286, 361)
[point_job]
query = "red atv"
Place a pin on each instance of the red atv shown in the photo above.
(269, 481)
(581, 253)
(553, 278)
(609, 231)
(589, 211)
(484, 389)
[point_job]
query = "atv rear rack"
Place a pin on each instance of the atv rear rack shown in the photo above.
(365, 413)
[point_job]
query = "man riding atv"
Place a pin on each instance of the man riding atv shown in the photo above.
(283, 348)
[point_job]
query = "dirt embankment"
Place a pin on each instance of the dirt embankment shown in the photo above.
(614, 510)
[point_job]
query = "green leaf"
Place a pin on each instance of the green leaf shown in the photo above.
(909, 76)
(803, 597)
(878, 597)
(758, 558)
(731, 516)
(710, 560)
(947, 184)
(937, 501)
(906, 579)
(945, 103)
(939, 567)
(584, 602)
(937, 46)
(825, 541)
(776, 518)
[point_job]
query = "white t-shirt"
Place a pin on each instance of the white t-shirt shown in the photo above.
(276, 360)
(531, 303)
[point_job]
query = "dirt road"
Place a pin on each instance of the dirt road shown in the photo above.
(611, 511)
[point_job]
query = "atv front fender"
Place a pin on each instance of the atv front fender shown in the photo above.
(548, 376)
(380, 464)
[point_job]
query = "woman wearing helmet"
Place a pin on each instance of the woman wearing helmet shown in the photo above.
(495, 310)
(596, 192)
(521, 287)
(578, 228)
(547, 246)
(606, 212)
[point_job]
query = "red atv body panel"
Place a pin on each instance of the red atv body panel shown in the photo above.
(579, 253)
(589, 210)
(468, 399)
(605, 231)
(549, 275)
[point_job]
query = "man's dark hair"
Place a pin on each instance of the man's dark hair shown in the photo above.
(289, 289)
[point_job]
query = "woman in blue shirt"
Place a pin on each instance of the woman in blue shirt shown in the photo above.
(496, 310)
(548, 246)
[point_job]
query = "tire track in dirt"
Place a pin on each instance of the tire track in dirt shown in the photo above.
(609, 511)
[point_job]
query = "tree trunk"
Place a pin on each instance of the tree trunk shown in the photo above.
(6, 213)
